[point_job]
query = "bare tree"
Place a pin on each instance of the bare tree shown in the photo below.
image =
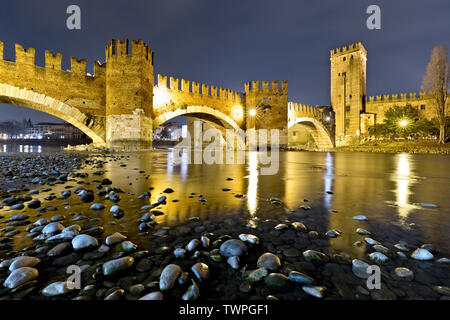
(436, 82)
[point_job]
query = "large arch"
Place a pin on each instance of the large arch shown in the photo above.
(316, 129)
(30, 99)
(198, 111)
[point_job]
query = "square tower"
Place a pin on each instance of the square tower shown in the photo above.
(348, 91)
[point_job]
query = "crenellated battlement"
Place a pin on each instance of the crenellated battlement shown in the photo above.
(266, 86)
(194, 88)
(119, 48)
(296, 110)
(347, 49)
(53, 61)
(24, 56)
(411, 96)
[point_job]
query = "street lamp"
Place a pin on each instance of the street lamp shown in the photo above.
(252, 112)
(403, 123)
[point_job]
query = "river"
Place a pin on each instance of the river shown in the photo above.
(404, 197)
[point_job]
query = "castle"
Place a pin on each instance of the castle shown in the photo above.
(121, 104)
(354, 111)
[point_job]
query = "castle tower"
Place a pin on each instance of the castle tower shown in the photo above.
(129, 94)
(348, 91)
(267, 107)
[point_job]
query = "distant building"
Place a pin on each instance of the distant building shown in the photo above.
(49, 130)
(42, 130)
(170, 131)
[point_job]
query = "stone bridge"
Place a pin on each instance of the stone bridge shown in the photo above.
(120, 105)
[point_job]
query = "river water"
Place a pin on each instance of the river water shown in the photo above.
(387, 188)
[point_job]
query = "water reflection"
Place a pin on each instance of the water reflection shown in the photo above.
(252, 190)
(21, 148)
(328, 178)
(403, 180)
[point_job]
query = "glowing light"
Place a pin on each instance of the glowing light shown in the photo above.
(252, 191)
(160, 96)
(403, 123)
(252, 112)
(327, 118)
(237, 112)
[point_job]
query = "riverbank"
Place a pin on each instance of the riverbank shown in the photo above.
(416, 147)
(67, 212)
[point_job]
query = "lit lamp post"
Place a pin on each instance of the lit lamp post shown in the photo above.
(403, 123)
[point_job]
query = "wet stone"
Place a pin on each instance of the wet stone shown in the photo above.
(115, 266)
(276, 280)
(269, 261)
(169, 276)
(233, 247)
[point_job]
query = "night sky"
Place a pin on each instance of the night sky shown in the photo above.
(227, 43)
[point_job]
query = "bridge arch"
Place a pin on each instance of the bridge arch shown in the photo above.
(37, 101)
(210, 115)
(318, 131)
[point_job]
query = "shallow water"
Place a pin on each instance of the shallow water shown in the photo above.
(386, 188)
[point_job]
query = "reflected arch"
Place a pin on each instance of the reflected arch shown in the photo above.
(37, 101)
(317, 130)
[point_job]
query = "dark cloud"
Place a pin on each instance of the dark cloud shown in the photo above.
(230, 42)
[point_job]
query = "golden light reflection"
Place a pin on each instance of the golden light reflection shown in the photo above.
(328, 180)
(403, 181)
(252, 202)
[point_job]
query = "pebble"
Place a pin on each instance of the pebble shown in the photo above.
(233, 262)
(128, 246)
(299, 277)
(371, 241)
(299, 226)
(381, 248)
(97, 206)
(115, 295)
(192, 293)
(52, 228)
(269, 261)
(59, 249)
(333, 233)
(115, 209)
(312, 255)
(23, 261)
(56, 289)
(378, 257)
(314, 291)
(363, 232)
(169, 276)
(249, 238)
(401, 247)
(153, 296)
(201, 271)
(232, 248)
(256, 275)
(422, 254)
(84, 241)
(115, 238)
(276, 280)
(179, 252)
(115, 266)
(193, 244)
(360, 218)
(20, 276)
(359, 269)
(403, 273)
